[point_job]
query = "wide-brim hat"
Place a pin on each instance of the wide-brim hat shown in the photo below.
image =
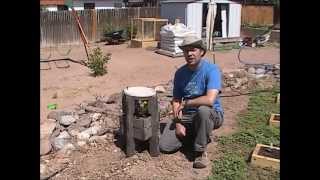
(192, 41)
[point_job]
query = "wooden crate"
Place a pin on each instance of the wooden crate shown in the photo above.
(143, 44)
(263, 161)
(273, 122)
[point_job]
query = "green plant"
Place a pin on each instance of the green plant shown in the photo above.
(97, 62)
(253, 129)
(108, 28)
(230, 167)
(128, 32)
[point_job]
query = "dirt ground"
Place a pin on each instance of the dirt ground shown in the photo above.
(133, 67)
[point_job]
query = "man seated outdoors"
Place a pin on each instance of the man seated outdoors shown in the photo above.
(196, 104)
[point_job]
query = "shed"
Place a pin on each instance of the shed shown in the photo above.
(193, 13)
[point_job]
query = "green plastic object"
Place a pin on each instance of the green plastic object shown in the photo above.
(52, 106)
(68, 3)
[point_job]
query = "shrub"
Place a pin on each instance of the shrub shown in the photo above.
(97, 62)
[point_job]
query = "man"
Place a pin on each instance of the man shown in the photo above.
(196, 104)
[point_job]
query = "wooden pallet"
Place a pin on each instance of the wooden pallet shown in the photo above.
(263, 161)
(169, 53)
(273, 122)
(143, 44)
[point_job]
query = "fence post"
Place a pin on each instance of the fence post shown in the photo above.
(94, 24)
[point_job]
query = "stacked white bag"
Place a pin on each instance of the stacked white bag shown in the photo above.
(171, 36)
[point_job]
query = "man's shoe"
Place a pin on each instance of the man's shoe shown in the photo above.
(201, 160)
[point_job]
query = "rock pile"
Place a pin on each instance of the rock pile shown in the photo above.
(92, 122)
(251, 77)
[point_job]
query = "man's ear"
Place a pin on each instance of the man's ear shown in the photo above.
(202, 52)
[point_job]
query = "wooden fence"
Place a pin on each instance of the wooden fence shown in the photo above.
(257, 15)
(59, 27)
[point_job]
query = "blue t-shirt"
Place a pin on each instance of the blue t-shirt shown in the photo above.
(190, 84)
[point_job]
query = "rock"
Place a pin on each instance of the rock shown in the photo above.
(66, 150)
(57, 114)
(46, 129)
(62, 140)
(251, 70)
(103, 131)
(276, 72)
(230, 75)
(227, 89)
(261, 76)
(81, 112)
(269, 73)
(84, 121)
(240, 74)
(114, 98)
(160, 89)
(94, 109)
(43, 168)
(95, 116)
(53, 115)
(98, 139)
(60, 127)
(67, 120)
(95, 130)
(251, 76)
(74, 132)
(277, 66)
(109, 137)
(83, 136)
(260, 71)
(81, 143)
(45, 146)
(69, 146)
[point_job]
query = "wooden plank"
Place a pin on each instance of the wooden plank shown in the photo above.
(129, 133)
(278, 99)
(143, 44)
(154, 140)
(273, 122)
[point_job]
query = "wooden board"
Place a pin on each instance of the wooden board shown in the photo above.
(273, 122)
(262, 161)
(143, 44)
(278, 99)
(169, 53)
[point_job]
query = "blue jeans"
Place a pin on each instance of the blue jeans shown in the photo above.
(199, 127)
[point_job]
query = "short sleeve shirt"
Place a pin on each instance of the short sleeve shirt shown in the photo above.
(189, 84)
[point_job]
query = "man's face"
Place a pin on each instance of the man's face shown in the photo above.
(192, 55)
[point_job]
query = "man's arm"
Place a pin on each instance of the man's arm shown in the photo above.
(206, 100)
(176, 106)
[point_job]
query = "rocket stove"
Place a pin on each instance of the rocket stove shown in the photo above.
(140, 119)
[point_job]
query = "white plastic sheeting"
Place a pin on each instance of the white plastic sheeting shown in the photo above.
(171, 36)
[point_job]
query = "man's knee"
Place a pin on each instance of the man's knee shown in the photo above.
(166, 147)
(204, 111)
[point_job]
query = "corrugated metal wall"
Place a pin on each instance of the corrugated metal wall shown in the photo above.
(194, 17)
(234, 20)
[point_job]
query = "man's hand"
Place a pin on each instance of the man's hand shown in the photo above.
(180, 130)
